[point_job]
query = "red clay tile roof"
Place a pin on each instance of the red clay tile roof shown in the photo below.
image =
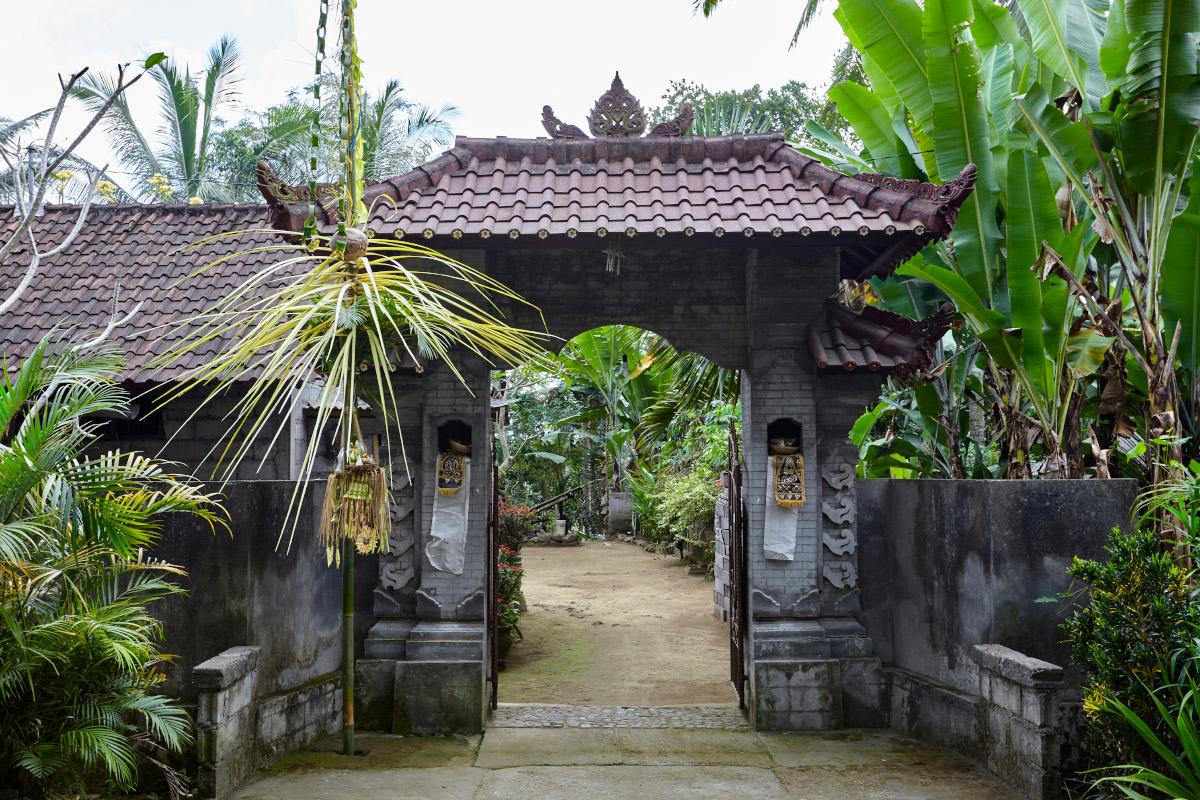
(136, 245)
(752, 185)
(841, 340)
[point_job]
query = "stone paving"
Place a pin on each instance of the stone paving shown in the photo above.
(726, 717)
(623, 763)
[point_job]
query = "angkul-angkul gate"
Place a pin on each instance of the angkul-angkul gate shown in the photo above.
(731, 247)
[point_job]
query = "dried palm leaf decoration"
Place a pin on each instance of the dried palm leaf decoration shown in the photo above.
(356, 506)
(789, 480)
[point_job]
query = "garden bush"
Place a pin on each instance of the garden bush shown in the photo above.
(79, 659)
(509, 600)
(1142, 611)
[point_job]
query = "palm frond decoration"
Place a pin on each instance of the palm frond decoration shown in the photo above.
(343, 320)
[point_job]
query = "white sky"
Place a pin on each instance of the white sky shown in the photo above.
(499, 62)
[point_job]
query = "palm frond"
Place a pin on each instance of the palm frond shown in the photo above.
(123, 134)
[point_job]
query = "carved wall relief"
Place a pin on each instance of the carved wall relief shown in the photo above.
(839, 476)
(840, 542)
(842, 574)
(838, 512)
(398, 566)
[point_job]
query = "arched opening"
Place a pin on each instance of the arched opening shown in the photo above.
(610, 458)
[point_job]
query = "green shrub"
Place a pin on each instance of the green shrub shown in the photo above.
(1141, 612)
(78, 651)
(1177, 709)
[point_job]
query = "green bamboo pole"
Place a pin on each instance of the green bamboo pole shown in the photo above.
(348, 646)
(350, 217)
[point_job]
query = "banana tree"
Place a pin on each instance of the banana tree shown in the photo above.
(1129, 159)
(615, 363)
(942, 78)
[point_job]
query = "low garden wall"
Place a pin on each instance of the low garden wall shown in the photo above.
(954, 577)
(257, 639)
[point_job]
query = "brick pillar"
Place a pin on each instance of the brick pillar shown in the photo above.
(810, 657)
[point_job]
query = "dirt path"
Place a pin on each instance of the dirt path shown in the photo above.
(610, 624)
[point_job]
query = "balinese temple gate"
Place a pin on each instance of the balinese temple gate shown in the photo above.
(727, 246)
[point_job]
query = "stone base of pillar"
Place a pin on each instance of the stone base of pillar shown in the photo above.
(422, 677)
(388, 638)
(446, 640)
(815, 675)
(439, 697)
(818, 694)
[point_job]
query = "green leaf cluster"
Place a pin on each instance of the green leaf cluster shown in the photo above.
(79, 659)
(1141, 610)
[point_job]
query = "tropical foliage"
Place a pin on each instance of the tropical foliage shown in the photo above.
(397, 135)
(619, 410)
(190, 108)
(1141, 610)
(79, 657)
(1058, 262)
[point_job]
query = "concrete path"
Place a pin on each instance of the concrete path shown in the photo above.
(627, 764)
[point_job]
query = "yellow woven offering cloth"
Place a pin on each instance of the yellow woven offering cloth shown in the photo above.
(450, 473)
(789, 480)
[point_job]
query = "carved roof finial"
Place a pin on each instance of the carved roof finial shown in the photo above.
(617, 113)
(678, 126)
(559, 129)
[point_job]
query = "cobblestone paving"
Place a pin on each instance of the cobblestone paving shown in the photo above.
(521, 715)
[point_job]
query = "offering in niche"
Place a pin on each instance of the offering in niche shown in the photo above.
(450, 472)
(789, 479)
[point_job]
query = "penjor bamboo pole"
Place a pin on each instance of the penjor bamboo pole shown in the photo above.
(348, 646)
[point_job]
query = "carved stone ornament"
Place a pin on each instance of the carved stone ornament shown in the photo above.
(395, 574)
(840, 476)
(617, 113)
(840, 513)
(678, 126)
(559, 129)
(840, 542)
(841, 574)
(275, 191)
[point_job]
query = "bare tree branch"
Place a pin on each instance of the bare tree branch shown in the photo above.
(43, 177)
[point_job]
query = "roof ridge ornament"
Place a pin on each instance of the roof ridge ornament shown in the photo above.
(617, 114)
(559, 129)
(678, 126)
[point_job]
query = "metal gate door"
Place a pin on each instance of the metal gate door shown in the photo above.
(493, 573)
(737, 569)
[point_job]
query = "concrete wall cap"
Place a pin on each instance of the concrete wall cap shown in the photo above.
(227, 668)
(1017, 667)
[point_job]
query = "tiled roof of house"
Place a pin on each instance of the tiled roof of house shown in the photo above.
(743, 185)
(139, 247)
(841, 340)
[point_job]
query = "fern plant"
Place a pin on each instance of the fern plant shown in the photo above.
(78, 650)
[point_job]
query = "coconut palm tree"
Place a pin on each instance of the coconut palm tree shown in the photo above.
(397, 135)
(190, 105)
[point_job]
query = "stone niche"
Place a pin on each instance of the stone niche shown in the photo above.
(454, 430)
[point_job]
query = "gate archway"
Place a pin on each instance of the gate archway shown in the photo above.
(728, 246)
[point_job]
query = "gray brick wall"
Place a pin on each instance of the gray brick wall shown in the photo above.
(695, 299)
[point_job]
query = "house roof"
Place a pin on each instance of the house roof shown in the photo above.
(137, 246)
(841, 340)
(657, 185)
